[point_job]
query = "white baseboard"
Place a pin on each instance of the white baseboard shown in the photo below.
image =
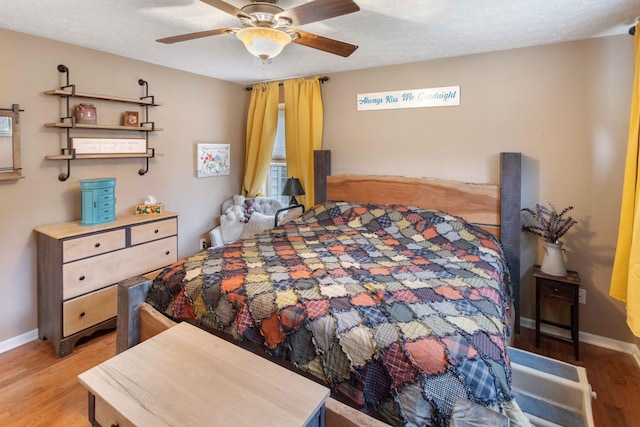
(14, 342)
(597, 340)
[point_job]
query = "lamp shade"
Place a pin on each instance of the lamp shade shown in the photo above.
(263, 42)
(292, 188)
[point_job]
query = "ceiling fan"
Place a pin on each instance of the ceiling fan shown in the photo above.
(267, 29)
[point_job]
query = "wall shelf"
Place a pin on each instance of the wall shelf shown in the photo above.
(72, 93)
(69, 124)
(64, 125)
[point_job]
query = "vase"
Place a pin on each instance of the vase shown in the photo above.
(553, 261)
(86, 114)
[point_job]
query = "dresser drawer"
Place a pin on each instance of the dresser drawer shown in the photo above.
(555, 290)
(88, 310)
(107, 202)
(89, 274)
(95, 244)
(152, 231)
(105, 415)
(105, 215)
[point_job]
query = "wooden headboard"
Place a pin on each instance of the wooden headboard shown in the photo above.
(496, 208)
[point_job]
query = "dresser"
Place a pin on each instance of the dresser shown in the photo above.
(79, 266)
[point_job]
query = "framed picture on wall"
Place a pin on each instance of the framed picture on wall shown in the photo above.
(213, 160)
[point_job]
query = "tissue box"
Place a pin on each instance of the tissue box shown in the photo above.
(154, 208)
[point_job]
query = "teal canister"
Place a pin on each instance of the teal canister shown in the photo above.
(98, 202)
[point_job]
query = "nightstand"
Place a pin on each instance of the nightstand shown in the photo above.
(565, 289)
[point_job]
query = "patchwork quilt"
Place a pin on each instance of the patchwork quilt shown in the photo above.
(402, 309)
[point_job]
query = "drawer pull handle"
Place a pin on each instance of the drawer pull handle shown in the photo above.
(556, 290)
(81, 277)
(82, 314)
(97, 245)
(156, 231)
(167, 253)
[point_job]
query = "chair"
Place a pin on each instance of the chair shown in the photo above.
(243, 217)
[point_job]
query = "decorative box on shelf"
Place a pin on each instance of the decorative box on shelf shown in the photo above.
(98, 203)
(152, 208)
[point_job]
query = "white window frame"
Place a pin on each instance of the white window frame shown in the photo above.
(278, 158)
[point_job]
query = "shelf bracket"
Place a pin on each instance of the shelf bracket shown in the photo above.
(64, 176)
(146, 169)
(64, 69)
(146, 96)
(146, 91)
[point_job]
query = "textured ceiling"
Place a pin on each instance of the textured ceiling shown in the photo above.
(387, 31)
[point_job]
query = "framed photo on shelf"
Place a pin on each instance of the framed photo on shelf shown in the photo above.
(213, 160)
(131, 118)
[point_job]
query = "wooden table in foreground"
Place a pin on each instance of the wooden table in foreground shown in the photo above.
(186, 376)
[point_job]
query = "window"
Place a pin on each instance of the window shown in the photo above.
(278, 168)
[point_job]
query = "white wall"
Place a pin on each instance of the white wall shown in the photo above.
(196, 109)
(564, 106)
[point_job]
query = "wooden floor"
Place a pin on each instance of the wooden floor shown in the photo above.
(38, 389)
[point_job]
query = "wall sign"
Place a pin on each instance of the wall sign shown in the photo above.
(109, 145)
(413, 98)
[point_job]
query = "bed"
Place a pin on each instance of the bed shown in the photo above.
(393, 291)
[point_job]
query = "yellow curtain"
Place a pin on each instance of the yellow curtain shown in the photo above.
(303, 119)
(262, 122)
(625, 279)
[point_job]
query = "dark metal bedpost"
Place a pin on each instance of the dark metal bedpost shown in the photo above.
(321, 169)
(510, 202)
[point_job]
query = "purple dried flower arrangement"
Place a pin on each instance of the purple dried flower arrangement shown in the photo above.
(549, 224)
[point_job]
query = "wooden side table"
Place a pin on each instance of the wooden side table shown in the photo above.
(565, 289)
(185, 376)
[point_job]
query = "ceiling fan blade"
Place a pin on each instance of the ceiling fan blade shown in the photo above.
(318, 10)
(326, 44)
(197, 35)
(225, 7)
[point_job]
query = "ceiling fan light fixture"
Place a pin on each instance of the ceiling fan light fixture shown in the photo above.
(263, 42)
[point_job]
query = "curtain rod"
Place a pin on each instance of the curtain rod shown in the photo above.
(320, 79)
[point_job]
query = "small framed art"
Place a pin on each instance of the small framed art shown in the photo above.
(131, 118)
(213, 160)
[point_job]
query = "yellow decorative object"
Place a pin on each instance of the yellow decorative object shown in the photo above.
(144, 209)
